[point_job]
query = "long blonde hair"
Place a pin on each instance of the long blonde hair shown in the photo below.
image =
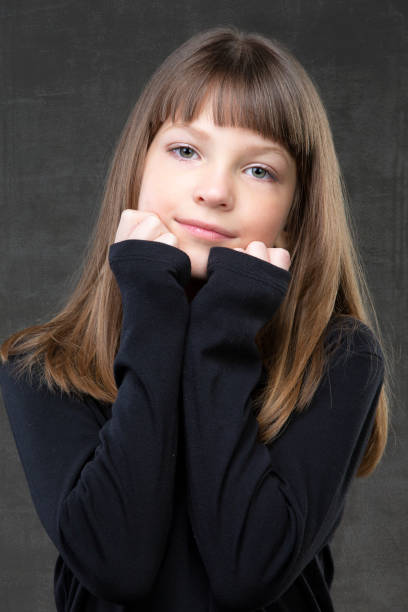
(255, 83)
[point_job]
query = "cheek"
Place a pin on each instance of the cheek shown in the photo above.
(163, 194)
(264, 226)
(153, 196)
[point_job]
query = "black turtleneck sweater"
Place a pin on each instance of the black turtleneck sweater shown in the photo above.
(166, 501)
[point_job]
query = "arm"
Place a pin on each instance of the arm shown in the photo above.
(260, 512)
(103, 489)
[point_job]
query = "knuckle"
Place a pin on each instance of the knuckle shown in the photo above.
(127, 212)
(153, 218)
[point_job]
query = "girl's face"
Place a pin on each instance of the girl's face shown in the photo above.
(225, 176)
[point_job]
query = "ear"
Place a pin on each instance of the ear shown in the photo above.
(282, 240)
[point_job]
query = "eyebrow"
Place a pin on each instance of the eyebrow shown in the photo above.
(251, 148)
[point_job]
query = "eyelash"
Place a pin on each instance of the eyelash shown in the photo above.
(272, 179)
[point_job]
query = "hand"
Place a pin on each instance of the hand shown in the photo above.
(143, 225)
(274, 255)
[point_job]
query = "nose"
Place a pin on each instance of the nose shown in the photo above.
(214, 188)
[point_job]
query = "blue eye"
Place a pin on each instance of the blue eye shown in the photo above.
(182, 147)
(264, 169)
(179, 148)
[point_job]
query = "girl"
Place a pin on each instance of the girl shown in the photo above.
(190, 423)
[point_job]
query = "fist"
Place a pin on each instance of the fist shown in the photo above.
(276, 256)
(143, 225)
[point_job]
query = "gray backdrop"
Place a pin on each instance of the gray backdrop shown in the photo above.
(71, 72)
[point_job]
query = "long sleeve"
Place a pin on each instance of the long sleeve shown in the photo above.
(103, 486)
(261, 512)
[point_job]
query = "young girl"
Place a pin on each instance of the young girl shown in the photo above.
(190, 423)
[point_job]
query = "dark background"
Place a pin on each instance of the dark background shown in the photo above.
(71, 72)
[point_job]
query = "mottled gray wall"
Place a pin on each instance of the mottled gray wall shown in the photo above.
(71, 71)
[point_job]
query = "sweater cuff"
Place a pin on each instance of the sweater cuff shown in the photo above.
(252, 266)
(160, 256)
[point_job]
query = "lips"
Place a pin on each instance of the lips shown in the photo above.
(214, 229)
(204, 234)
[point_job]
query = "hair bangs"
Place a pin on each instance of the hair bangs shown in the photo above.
(258, 102)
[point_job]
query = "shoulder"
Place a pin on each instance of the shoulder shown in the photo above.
(9, 372)
(14, 372)
(353, 352)
(352, 336)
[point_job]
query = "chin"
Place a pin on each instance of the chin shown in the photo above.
(199, 270)
(198, 274)
(198, 261)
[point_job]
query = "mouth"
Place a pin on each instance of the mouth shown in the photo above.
(203, 233)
